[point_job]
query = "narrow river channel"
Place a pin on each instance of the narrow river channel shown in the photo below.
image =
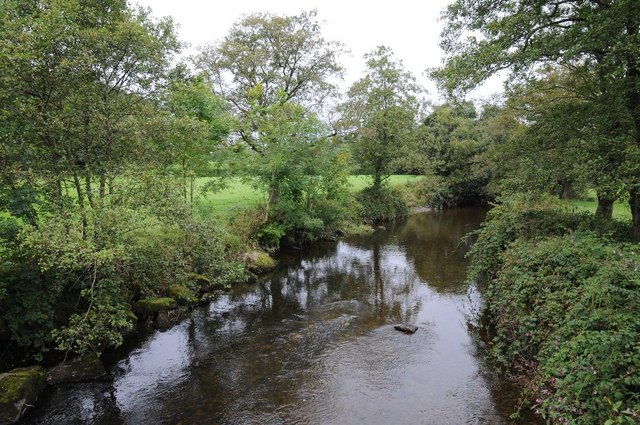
(314, 344)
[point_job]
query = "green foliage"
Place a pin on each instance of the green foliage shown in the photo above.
(102, 324)
(380, 205)
(449, 147)
(381, 111)
(568, 306)
(597, 42)
(562, 298)
(267, 59)
(526, 218)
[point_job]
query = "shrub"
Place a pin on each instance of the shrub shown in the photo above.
(523, 218)
(563, 298)
(380, 205)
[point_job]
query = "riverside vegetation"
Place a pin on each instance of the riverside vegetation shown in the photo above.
(134, 184)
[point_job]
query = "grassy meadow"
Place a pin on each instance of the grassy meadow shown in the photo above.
(621, 209)
(239, 195)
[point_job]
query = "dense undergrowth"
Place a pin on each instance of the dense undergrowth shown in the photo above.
(70, 287)
(562, 295)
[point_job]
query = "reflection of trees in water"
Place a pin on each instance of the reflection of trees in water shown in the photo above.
(250, 348)
(433, 243)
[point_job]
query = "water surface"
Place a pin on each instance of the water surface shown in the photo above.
(315, 344)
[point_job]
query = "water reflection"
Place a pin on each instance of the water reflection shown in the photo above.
(314, 344)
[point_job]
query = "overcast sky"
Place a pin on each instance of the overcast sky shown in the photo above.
(410, 28)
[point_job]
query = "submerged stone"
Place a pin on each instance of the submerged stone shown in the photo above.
(408, 329)
(84, 368)
(19, 389)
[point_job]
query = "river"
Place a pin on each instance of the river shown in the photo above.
(314, 343)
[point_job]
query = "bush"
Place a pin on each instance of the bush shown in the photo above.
(380, 205)
(72, 289)
(525, 219)
(563, 298)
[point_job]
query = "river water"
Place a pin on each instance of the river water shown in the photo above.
(314, 343)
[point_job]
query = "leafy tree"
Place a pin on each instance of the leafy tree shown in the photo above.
(265, 63)
(451, 142)
(78, 78)
(304, 172)
(197, 126)
(80, 88)
(567, 139)
(381, 110)
(482, 37)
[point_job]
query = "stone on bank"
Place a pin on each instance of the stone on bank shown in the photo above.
(83, 368)
(19, 389)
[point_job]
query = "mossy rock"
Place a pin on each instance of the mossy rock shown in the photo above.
(182, 295)
(84, 368)
(200, 279)
(259, 262)
(205, 284)
(131, 316)
(19, 388)
(151, 306)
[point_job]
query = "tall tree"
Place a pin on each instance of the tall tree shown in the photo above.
(482, 37)
(79, 79)
(569, 138)
(381, 111)
(267, 59)
(452, 142)
(265, 63)
(79, 86)
(197, 126)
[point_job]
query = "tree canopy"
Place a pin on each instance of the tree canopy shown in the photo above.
(596, 38)
(381, 110)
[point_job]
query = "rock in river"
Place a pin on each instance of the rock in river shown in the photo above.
(83, 368)
(408, 329)
(19, 389)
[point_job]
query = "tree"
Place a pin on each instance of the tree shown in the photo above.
(482, 37)
(451, 142)
(80, 80)
(265, 63)
(268, 59)
(566, 139)
(198, 124)
(381, 111)
(80, 83)
(305, 173)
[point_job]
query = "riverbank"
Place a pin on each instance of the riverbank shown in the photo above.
(314, 343)
(563, 300)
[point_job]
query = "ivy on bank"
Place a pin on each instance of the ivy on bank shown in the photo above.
(563, 302)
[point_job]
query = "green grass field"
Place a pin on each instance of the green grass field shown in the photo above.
(621, 210)
(239, 195)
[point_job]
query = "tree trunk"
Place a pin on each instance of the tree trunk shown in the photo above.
(634, 203)
(565, 189)
(102, 187)
(83, 213)
(605, 207)
(192, 188)
(273, 199)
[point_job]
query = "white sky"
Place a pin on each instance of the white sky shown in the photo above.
(410, 28)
